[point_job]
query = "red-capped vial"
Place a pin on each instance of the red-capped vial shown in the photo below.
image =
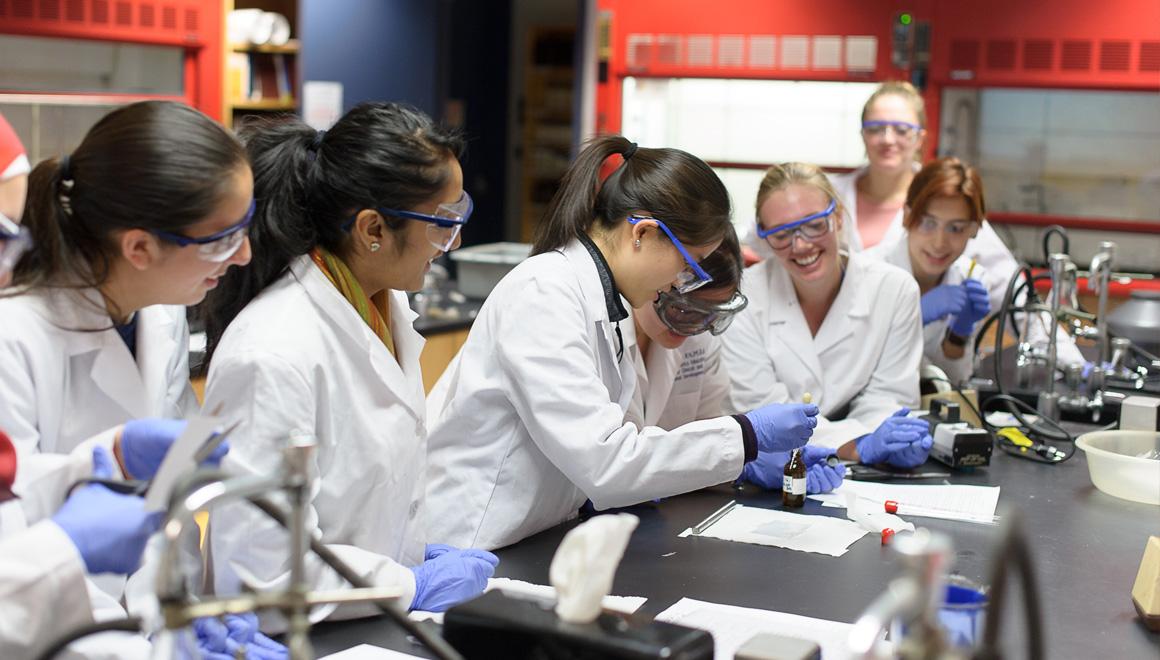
(887, 534)
(891, 506)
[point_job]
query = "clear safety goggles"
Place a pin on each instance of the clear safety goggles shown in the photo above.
(217, 247)
(687, 316)
(15, 240)
(812, 227)
(693, 276)
(443, 226)
(931, 225)
(904, 131)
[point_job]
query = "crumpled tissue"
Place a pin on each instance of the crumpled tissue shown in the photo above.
(585, 563)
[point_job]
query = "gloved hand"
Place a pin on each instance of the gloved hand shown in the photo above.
(942, 301)
(109, 529)
(900, 441)
(450, 576)
(783, 426)
(769, 467)
(977, 307)
(144, 443)
(220, 641)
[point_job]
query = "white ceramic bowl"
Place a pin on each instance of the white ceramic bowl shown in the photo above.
(1115, 467)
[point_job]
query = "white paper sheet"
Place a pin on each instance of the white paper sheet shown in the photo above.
(367, 652)
(623, 604)
(950, 502)
(179, 461)
(793, 531)
(733, 626)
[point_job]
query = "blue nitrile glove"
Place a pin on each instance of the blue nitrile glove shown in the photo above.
(942, 301)
(783, 426)
(218, 640)
(109, 529)
(977, 307)
(451, 576)
(900, 441)
(769, 467)
(144, 443)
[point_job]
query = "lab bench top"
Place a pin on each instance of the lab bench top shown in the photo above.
(1086, 546)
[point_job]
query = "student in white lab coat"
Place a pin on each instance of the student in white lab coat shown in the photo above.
(531, 420)
(139, 221)
(945, 209)
(680, 375)
(844, 328)
(320, 341)
(45, 563)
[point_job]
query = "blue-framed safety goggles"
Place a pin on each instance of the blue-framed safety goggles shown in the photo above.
(216, 247)
(443, 226)
(811, 227)
(15, 240)
(693, 277)
(903, 129)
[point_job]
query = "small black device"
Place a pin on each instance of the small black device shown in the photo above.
(496, 625)
(956, 443)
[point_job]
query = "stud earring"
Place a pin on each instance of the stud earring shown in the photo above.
(636, 243)
(375, 247)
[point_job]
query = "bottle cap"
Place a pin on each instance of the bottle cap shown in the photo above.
(887, 534)
(891, 506)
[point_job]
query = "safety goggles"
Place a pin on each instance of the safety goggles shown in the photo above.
(15, 240)
(903, 130)
(812, 227)
(693, 276)
(444, 226)
(687, 316)
(931, 225)
(218, 247)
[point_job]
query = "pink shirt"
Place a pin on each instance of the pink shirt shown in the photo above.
(874, 219)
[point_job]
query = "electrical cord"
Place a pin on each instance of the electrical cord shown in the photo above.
(130, 624)
(1061, 232)
(1012, 550)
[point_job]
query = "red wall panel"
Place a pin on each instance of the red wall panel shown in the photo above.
(195, 25)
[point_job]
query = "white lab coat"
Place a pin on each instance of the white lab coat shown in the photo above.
(65, 373)
(897, 253)
(44, 588)
(866, 354)
(300, 358)
(681, 385)
(67, 379)
(531, 421)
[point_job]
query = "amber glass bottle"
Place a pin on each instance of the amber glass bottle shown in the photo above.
(793, 483)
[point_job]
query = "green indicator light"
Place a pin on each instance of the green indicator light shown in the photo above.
(905, 19)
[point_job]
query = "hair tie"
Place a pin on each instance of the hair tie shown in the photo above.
(629, 151)
(64, 194)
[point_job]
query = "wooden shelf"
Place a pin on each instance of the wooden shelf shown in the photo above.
(290, 48)
(268, 104)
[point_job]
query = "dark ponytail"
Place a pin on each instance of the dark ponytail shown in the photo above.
(307, 184)
(153, 165)
(675, 186)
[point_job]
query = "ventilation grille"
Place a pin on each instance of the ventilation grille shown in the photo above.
(731, 50)
(762, 52)
(1114, 55)
(148, 21)
(1001, 55)
(1038, 54)
(1149, 56)
(1077, 56)
(74, 10)
(50, 10)
(100, 11)
(668, 50)
(700, 50)
(964, 54)
(124, 14)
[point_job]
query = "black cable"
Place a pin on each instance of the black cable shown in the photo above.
(128, 624)
(1055, 230)
(1012, 549)
(436, 644)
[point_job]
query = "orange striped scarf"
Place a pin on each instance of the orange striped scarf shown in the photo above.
(373, 311)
